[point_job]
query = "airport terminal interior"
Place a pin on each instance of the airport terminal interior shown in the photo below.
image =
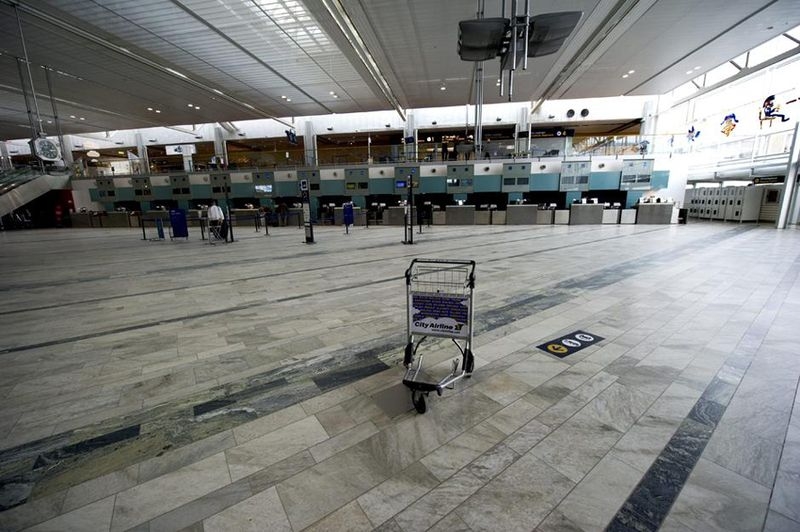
(478, 265)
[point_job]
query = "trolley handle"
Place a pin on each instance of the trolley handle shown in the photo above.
(470, 263)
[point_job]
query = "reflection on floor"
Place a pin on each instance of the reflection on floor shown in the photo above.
(256, 385)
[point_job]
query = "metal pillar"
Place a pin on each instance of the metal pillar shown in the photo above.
(55, 117)
(789, 196)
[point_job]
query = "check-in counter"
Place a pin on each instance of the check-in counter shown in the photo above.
(627, 216)
(611, 216)
(439, 217)
(490, 217)
(561, 217)
(545, 216)
(243, 217)
(460, 215)
(521, 214)
(81, 219)
(585, 214)
(481, 217)
(654, 213)
(117, 219)
(338, 216)
(498, 218)
(396, 216)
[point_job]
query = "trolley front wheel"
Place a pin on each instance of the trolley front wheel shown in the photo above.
(469, 362)
(418, 398)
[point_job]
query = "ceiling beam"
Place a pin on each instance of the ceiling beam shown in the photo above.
(62, 24)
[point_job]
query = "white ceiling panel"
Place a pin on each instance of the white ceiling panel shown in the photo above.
(119, 57)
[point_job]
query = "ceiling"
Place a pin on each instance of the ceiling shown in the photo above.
(110, 60)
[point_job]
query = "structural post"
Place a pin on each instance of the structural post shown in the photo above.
(790, 182)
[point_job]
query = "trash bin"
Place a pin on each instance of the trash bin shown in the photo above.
(682, 215)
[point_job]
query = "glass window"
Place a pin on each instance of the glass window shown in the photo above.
(770, 49)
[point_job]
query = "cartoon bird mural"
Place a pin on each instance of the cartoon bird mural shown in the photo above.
(729, 124)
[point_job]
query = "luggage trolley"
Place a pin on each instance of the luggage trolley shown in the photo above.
(439, 296)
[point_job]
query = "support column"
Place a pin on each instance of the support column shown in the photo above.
(5, 157)
(310, 143)
(220, 150)
(410, 131)
(789, 197)
(141, 152)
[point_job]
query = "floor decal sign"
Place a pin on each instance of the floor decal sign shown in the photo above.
(570, 343)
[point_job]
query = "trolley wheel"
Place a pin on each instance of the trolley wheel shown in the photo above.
(418, 398)
(409, 355)
(469, 362)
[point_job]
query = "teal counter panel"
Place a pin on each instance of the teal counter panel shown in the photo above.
(487, 183)
(93, 195)
(242, 190)
(604, 180)
(124, 194)
(433, 184)
(200, 191)
(285, 188)
(360, 201)
(331, 187)
(633, 197)
(545, 181)
(660, 179)
(164, 193)
(381, 186)
(572, 196)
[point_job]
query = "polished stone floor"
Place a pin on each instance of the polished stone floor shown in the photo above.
(256, 385)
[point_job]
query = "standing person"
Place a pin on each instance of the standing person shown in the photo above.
(215, 219)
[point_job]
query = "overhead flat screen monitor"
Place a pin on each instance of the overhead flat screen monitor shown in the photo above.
(264, 189)
(399, 184)
(451, 182)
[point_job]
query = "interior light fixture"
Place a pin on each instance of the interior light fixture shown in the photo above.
(72, 116)
(82, 118)
(197, 107)
(624, 76)
(189, 105)
(158, 110)
(331, 93)
(697, 68)
(283, 97)
(442, 88)
(288, 99)
(149, 108)
(335, 95)
(689, 71)
(631, 71)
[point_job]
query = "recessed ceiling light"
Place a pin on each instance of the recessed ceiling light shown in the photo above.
(331, 93)
(283, 97)
(697, 68)
(49, 121)
(442, 88)
(335, 95)
(624, 75)
(189, 105)
(197, 107)
(72, 116)
(82, 118)
(631, 71)
(689, 71)
(149, 108)
(158, 110)
(288, 99)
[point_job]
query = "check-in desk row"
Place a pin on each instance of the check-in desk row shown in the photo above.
(577, 214)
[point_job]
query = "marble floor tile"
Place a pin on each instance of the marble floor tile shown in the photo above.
(258, 453)
(155, 497)
(575, 448)
(780, 523)
(92, 517)
(342, 441)
(519, 499)
(440, 501)
(349, 518)
(596, 499)
(393, 495)
(717, 499)
(262, 511)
